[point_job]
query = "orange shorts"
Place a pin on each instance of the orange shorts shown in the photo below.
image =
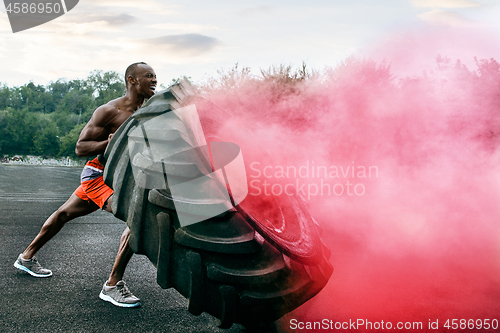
(92, 186)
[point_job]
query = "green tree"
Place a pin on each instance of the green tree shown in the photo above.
(68, 142)
(75, 102)
(106, 86)
(47, 120)
(16, 136)
(35, 98)
(4, 97)
(45, 137)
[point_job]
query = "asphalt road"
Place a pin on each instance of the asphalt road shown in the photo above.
(80, 257)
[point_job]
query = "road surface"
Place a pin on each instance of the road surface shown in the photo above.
(80, 257)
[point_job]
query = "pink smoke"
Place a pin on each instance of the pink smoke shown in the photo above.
(423, 240)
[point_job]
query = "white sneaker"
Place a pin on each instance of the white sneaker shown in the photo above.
(32, 267)
(119, 295)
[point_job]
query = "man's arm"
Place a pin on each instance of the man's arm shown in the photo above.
(95, 136)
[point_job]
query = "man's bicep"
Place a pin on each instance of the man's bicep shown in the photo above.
(91, 132)
(96, 125)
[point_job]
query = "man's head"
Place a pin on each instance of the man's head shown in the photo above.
(142, 78)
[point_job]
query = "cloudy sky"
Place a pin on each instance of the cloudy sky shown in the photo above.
(197, 38)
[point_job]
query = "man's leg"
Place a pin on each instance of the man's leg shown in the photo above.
(124, 252)
(72, 208)
(115, 290)
(122, 258)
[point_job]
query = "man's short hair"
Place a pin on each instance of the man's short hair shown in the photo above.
(131, 71)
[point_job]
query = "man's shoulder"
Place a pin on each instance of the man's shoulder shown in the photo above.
(109, 109)
(105, 108)
(111, 106)
(106, 112)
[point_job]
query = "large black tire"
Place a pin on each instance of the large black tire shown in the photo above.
(222, 265)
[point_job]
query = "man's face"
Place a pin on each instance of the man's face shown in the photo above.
(145, 78)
